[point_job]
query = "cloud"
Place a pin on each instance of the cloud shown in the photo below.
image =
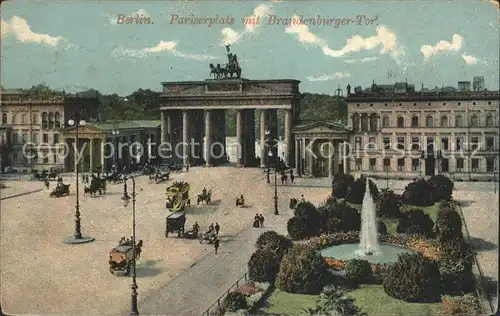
(230, 36)
(446, 47)
(337, 75)
(385, 39)
(162, 46)
(20, 28)
(471, 60)
(361, 61)
(113, 19)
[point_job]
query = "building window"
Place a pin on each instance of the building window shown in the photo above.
(444, 121)
(373, 163)
(459, 142)
(45, 120)
(490, 143)
(401, 122)
(57, 120)
(387, 164)
(358, 163)
(429, 122)
(355, 122)
(373, 122)
(401, 164)
(460, 164)
(25, 138)
(371, 143)
(45, 138)
(56, 139)
(415, 143)
(459, 121)
(473, 120)
(415, 164)
(414, 121)
(357, 143)
(23, 119)
(401, 142)
(45, 159)
(444, 143)
(474, 143)
(364, 122)
(490, 164)
(475, 165)
(35, 119)
(51, 120)
(385, 121)
(445, 165)
(4, 118)
(430, 144)
(387, 142)
(14, 119)
(489, 120)
(35, 138)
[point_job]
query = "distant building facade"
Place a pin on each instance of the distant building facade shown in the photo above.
(398, 132)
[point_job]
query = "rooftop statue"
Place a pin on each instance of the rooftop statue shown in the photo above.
(232, 68)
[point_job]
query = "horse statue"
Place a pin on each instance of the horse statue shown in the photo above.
(223, 71)
(214, 71)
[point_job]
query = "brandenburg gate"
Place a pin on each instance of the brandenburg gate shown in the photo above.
(195, 110)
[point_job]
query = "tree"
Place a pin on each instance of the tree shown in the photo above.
(448, 222)
(340, 184)
(302, 271)
(263, 265)
(340, 217)
(306, 222)
(418, 193)
(274, 242)
(416, 222)
(356, 191)
(389, 205)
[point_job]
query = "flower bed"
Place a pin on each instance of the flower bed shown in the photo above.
(254, 293)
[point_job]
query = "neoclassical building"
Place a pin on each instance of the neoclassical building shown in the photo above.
(398, 132)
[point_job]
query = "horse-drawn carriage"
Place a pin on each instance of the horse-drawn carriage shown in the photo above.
(240, 201)
(205, 196)
(209, 236)
(176, 222)
(122, 258)
(96, 185)
(160, 176)
(177, 196)
(60, 190)
(148, 170)
(50, 175)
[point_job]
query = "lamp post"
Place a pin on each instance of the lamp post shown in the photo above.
(266, 143)
(276, 212)
(77, 237)
(126, 199)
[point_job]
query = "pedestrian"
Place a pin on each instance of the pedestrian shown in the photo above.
(187, 168)
(83, 177)
(216, 245)
(217, 228)
(47, 183)
(261, 220)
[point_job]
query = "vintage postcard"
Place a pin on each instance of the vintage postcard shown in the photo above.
(189, 158)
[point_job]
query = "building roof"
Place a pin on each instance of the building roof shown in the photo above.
(331, 125)
(13, 92)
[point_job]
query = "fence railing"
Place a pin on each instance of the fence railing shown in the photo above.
(218, 303)
(482, 293)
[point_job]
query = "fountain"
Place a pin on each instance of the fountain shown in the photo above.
(368, 248)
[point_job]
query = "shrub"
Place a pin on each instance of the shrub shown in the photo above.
(340, 184)
(467, 305)
(416, 222)
(235, 301)
(455, 249)
(356, 190)
(306, 223)
(340, 217)
(448, 222)
(359, 271)
(247, 289)
(263, 265)
(275, 242)
(457, 277)
(389, 205)
(426, 248)
(302, 271)
(418, 193)
(413, 278)
(442, 188)
(381, 228)
(332, 302)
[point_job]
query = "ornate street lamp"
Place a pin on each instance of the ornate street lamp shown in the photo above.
(275, 186)
(266, 143)
(126, 199)
(77, 237)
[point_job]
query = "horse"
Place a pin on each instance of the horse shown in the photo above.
(213, 71)
(223, 71)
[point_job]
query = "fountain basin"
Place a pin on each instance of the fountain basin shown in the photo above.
(387, 253)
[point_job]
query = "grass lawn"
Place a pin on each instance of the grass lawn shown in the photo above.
(373, 301)
(289, 304)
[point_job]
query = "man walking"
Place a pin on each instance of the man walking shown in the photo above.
(261, 220)
(217, 228)
(216, 245)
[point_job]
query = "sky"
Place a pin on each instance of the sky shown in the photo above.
(81, 45)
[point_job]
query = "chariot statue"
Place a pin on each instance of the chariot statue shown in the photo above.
(229, 70)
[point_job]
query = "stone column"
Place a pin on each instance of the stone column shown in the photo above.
(288, 136)
(263, 151)
(103, 153)
(91, 154)
(208, 138)
(344, 157)
(310, 158)
(297, 157)
(331, 162)
(185, 138)
(164, 126)
(239, 138)
(303, 166)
